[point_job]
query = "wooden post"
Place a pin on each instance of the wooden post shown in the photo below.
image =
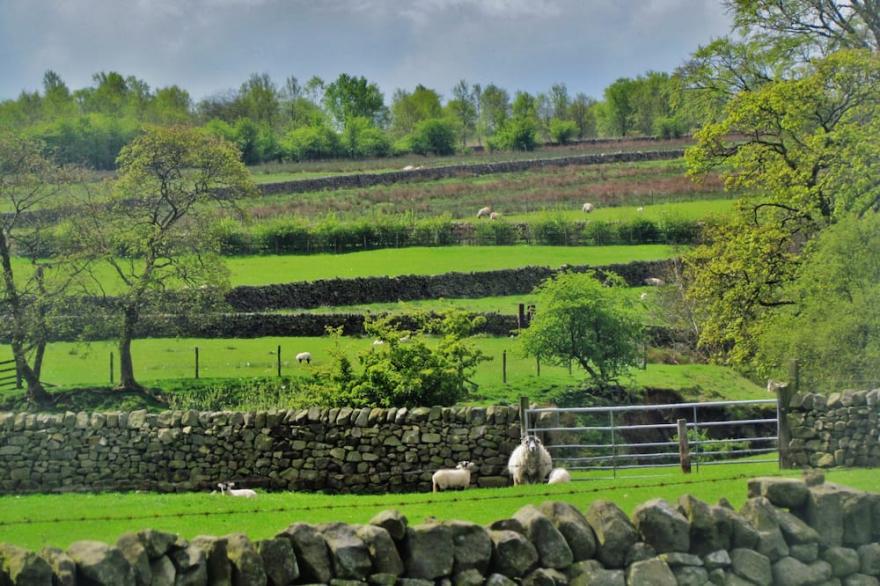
(278, 359)
(569, 367)
(538, 364)
(111, 368)
(504, 366)
(197, 362)
(523, 416)
(783, 400)
(521, 316)
(683, 452)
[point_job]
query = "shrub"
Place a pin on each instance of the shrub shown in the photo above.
(311, 142)
(639, 231)
(361, 139)
(435, 135)
(562, 131)
(496, 233)
(518, 134)
(555, 230)
(600, 232)
(286, 235)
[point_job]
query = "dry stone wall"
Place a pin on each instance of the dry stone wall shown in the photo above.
(840, 429)
(336, 450)
(788, 533)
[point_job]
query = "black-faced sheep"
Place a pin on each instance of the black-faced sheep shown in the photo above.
(530, 462)
(460, 477)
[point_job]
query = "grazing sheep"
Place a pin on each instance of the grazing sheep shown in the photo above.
(588, 208)
(643, 296)
(378, 342)
(460, 477)
(654, 281)
(304, 357)
(226, 488)
(494, 216)
(530, 462)
(640, 210)
(484, 212)
(408, 168)
(559, 476)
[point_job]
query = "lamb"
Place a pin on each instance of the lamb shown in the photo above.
(460, 477)
(304, 357)
(494, 216)
(654, 282)
(530, 462)
(559, 476)
(588, 208)
(484, 212)
(226, 488)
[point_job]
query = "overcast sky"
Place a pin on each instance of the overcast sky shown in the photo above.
(207, 46)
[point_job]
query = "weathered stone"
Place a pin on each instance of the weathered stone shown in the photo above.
(247, 565)
(716, 559)
(861, 580)
(394, 522)
(869, 556)
(742, 534)
(135, 553)
(591, 573)
(844, 561)
(824, 513)
(791, 572)
(472, 547)
(857, 511)
(156, 543)
(312, 555)
(690, 575)
(279, 561)
(348, 552)
(468, 578)
(650, 573)
(662, 526)
(573, 526)
(639, 551)
(805, 552)
(499, 580)
(63, 568)
(162, 571)
(507, 525)
(429, 553)
(513, 555)
(788, 493)
(760, 513)
(614, 532)
(552, 547)
(752, 566)
(794, 530)
(216, 561)
(675, 558)
(545, 577)
(383, 552)
(101, 563)
(710, 529)
(24, 567)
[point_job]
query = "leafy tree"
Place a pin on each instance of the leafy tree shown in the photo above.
(361, 139)
(352, 97)
(311, 142)
(619, 106)
(153, 231)
(494, 109)
(464, 108)
(410, 108)
(171, 105)
(560, 102)
(562, 131)
(582, 111)
(436, 135)
(583, 319)
(260, 99)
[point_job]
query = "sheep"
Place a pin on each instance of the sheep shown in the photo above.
(588, 208)
(654, 282)
(640, 209)
(378, 342)
(304, 357)
(530, 462)
(643, 297)
(408, 168)
(494, 216)
(460, 477)
(484, 212)
(775, 385)
(226, 488)
(559, 476)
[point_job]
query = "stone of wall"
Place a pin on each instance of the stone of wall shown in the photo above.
(787, 533)
(840, 429)
(338, 450)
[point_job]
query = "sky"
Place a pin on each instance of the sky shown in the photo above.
(209, 46)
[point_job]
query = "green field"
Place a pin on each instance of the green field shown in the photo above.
(70, 364)
(213, 514)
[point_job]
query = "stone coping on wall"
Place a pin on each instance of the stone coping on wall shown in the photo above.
(789, 532)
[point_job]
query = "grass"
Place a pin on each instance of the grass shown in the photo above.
(683, 210)
(202, 513)
(71, 364)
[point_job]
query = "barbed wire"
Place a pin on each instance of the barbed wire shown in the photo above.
(372, 505)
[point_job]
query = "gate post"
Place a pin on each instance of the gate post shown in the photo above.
(783, 400)
(523, 416)
(684, 456)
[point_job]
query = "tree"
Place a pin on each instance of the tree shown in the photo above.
(562, 130)
(436, 135)
(361, 139)
(494, 108)
(153, 232)
(583, 319)
(582, 111)
(260, 99)
(354, 97)
(410, 108)
(464, 108)
(619, 106)
(29, 182)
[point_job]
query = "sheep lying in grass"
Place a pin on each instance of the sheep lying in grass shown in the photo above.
(559, 476)
(588, 208)
(304, 357)
(654, 282)
(226, 488)
(485, 212)
(494, 216)
(530, 462)
(460, 477)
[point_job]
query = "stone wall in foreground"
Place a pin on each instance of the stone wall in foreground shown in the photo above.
(840, 429)
(337, 450)
(787, 533)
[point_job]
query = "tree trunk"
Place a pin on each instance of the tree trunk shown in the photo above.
(127, 381)
(36, 393)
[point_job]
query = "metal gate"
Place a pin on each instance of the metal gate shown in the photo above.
(9, 381)
(617, 437)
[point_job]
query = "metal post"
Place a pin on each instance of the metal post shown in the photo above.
(278, 354)
(504, 366)
(523, 416)
(613, 447)
(197, 361)
(683, 454)
(111, 368)
(696, 435)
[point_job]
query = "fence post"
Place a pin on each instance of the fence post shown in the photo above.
(111, 368)
(697, 435)
(783, 400)
(523, 416)
(684, 456)
(538, 364)
(504, 367)
(197, 361)
(613, 446)
(278, 360)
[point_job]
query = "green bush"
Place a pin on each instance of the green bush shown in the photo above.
(360, 139)
(518, 134)
(562, 131)
(601, 232)
(285, 235)
(311, 142)
(555, 230)
(435, 135)
(639, 231)
(495, 233)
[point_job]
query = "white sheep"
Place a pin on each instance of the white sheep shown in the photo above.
(530, 462)
(494, 216)
(654, 281)
(460, 477)
(484, 212)
(304, 357)
(643, 296)
(378, 342)
(226, 488)
(640, 209)
(588, 208)
(408, 168)
(559, 476)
